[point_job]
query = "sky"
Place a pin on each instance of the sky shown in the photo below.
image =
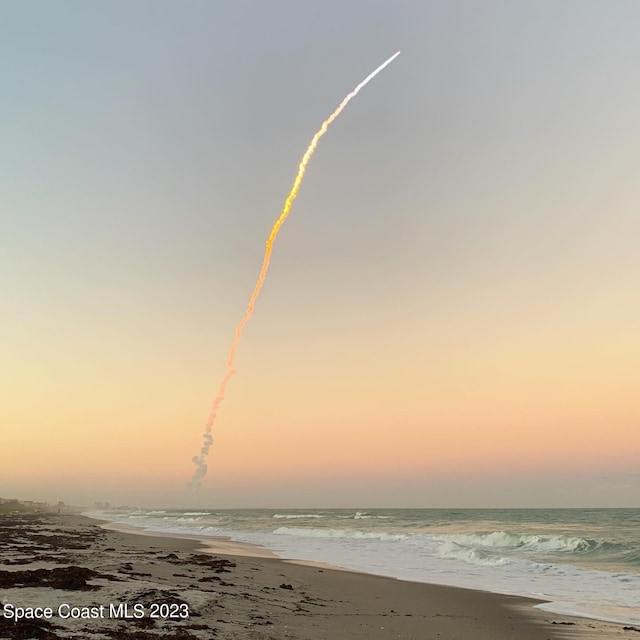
(451, 313)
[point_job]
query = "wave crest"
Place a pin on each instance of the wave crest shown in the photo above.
(544, 543)
(340, 533)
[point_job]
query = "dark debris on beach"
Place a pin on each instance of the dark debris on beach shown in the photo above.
(217, 565)
(66, 578)
(29, 538)
(27, 629)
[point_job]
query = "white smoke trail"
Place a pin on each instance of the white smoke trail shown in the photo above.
(200, 460)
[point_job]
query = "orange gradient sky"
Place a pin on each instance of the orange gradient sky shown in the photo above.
(451, 314)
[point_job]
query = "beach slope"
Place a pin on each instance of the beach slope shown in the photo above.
(65, 576)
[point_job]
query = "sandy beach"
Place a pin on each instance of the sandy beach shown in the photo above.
(65, 576)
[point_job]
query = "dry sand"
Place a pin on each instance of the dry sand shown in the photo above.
(180, 589)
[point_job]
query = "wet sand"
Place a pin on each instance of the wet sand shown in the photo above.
(185, 588)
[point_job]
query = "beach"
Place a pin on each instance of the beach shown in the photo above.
(66, 576)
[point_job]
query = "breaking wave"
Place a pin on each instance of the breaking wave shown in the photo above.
(489, 542)
(293, 516)
(340, 533)
(542, 543)
(450, 549)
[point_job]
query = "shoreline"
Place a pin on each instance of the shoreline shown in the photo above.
(226, 546)
(215, 544)
(238, 596)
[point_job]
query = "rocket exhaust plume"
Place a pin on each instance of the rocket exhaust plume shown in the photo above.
(200, 460)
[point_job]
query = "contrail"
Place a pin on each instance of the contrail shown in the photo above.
(200, 460)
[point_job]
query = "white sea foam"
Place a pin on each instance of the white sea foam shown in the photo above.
(294, 516)
(339, 533)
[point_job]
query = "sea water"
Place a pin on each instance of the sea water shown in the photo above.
(584, 562)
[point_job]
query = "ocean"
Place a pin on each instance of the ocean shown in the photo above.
(585, 562)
